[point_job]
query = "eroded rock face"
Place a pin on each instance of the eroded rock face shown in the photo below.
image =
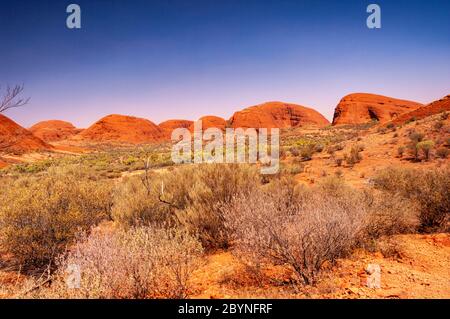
(435, 107)
(277, 115)
(170, 125)
(124, 129)
(211, 121)
(16, 139)
(54, 130)
(360, 108)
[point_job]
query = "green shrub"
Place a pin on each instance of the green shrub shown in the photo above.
(191, 196)
(41, 215)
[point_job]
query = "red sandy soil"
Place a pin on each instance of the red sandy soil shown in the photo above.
(16, 139)
(420, 268)
(121, 128)
(54, 130)
(380, 151)
(277, 115)
(435, 107)
(211, 121)
(170, 125)
(359, 108)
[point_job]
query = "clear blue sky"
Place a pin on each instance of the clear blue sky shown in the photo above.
(184, 59)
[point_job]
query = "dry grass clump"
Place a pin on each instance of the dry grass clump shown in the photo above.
(354, 156)
(430, 190)
(188, 196)
(299, 228)
(144, 262)
(40, 216)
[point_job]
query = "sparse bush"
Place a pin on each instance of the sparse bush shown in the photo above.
(138, 263)
(442, 152)
(319, 148)
(416, 137)
(438, 125)
(400, 151)
(391, 126)
(338, 161)
(307, 151)
(40, 216)
(294, 151)
(301, 229)
(294, 169)
(430, 190)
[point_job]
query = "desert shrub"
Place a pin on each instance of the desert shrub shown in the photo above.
(144, 262)
(191, 196)
(39, 216)
(338, 161)
(298, 228)
(294, 169)
(400, 151)
(425, 147)
(294, 151)
(438, 125)
(307, 151)
(319, 148)
(442, 152)
(390, 215)
(391, 126)
(152, 198)
(354, 156)
(430, 190)
(416, 137)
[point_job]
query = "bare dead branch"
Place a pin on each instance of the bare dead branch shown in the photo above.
(11, 98)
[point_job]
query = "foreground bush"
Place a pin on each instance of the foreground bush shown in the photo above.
(189, 196)
(138, 263)
(302, 229)
(40, 216)
(430, 190)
